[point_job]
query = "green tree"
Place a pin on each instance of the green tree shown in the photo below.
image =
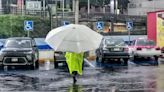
(13, 26)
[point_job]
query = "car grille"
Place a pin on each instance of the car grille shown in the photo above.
(14, 61)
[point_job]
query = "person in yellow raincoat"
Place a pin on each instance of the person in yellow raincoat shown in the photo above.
(75, 63)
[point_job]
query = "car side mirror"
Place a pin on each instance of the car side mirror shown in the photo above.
(34, 46)
(1, 46)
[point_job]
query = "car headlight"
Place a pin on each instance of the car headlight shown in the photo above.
(29, 52)
(29, 57)
(105, 48)
(1, 58)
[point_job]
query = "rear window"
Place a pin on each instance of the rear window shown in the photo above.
(145, 43)
(114, 42)
(15, 43)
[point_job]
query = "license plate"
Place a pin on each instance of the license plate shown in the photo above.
(116, 49)
(14, 59)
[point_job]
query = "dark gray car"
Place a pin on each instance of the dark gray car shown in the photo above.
(59, 57)
(113, 48)
(19, 51)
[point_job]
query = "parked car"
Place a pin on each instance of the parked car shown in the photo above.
(59, 57)
(19, 51)
(162, 55)
(113, 48)
(143, 48)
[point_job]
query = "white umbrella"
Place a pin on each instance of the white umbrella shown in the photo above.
(73, 38)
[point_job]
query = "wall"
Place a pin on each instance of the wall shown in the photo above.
(151, 26)
(141, 7)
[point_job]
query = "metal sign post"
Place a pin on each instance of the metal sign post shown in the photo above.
(28, 26)
(129, 25)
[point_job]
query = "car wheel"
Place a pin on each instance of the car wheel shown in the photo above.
(37, 64)
(125, 61)
(97, 59)
(101, 59)
(32, 66)
(55, 64)
(156, 58)
(135, 58)
(156, 61)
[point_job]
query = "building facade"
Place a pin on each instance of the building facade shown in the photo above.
(141, 7)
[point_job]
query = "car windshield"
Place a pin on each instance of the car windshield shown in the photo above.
(145, 43)
(18, 43)
(114, 42)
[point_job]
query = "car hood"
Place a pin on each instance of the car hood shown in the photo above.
(16, 49)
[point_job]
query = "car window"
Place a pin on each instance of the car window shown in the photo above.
(145, 43)
(114, 42)
(18, 44)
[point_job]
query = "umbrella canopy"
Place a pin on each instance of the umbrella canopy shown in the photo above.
(73, 38)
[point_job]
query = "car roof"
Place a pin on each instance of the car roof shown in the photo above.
(25, 38)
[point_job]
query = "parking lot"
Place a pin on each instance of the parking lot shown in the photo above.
(136, 77)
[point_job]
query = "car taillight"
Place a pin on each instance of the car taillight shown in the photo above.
(158, 48)
(139, 48)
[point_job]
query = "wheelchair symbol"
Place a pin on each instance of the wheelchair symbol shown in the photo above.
(28, 25)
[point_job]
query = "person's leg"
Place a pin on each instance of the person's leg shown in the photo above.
(74, 73)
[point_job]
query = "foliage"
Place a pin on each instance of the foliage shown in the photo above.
(13, 26)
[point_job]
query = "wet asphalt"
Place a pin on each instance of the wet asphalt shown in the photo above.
(136, 77)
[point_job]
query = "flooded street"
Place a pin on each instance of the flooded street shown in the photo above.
(134, 78)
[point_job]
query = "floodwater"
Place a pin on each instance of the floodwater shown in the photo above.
(134, 78)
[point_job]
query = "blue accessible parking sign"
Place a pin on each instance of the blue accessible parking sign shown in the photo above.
(28, 25)
(100, 25)
(129, 25)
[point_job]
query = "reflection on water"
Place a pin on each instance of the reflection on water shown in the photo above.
(75, 88)
(98, 79)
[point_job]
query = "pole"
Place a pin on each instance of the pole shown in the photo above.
(44, 5)
(28, 33)
(73, 5)
(63, 8)
(88, 7)
(56, 12)
(129, 34)
(51, 16)
(76, 11)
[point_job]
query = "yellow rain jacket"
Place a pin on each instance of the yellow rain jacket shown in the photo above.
(74, 62)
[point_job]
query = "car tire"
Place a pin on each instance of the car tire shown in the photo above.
(37, 64)
(101, 59)
(56, 64)
(156, 61)
(97, 59)
(125, 62)
(135, 58)
(32, 66)
(156, 58)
